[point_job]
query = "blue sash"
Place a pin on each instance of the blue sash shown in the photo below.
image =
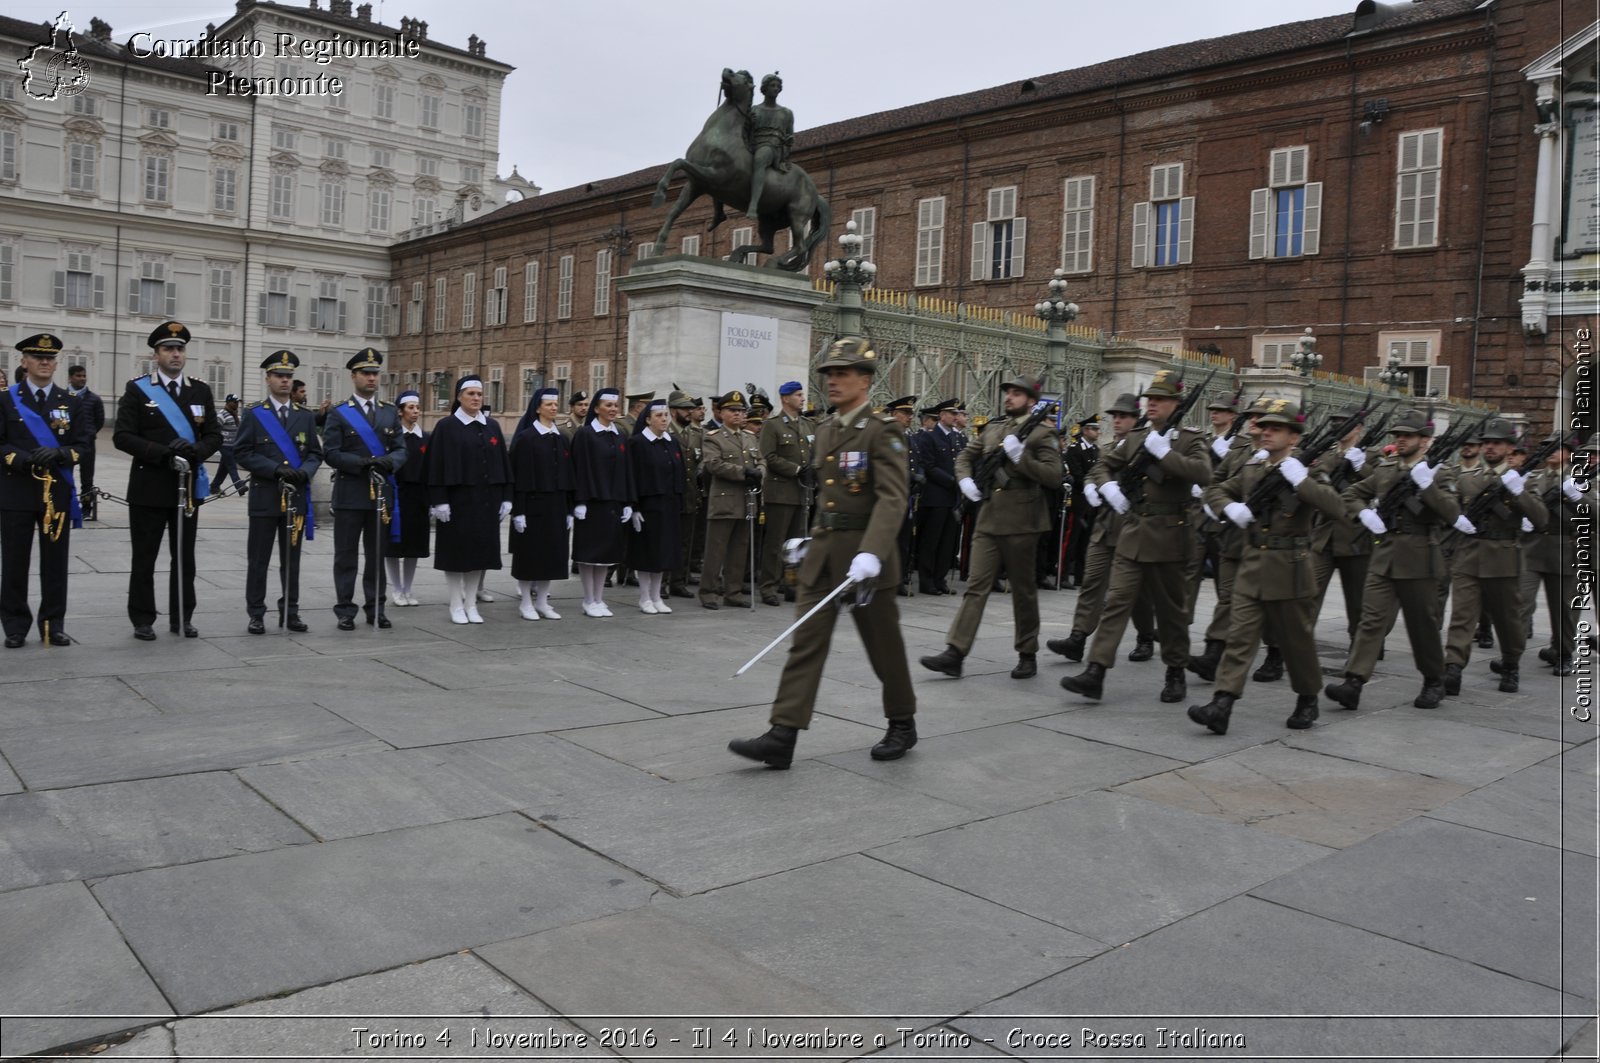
(180, 424)
(46, 438)
(291, 454)
(369, 438)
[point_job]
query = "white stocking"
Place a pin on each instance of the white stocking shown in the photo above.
(391, 568)
(454, 584)
(526, 587)
(408, 570)
(541, 588)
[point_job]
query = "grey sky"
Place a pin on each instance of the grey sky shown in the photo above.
(609, 87)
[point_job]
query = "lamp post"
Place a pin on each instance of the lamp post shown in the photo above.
(1393, 377)
(1056, 312)
(853, 274)
(1305, 358)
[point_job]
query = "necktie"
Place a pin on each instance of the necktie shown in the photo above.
(283, 416)
(366, 408)
(172, 389)
(38, 397)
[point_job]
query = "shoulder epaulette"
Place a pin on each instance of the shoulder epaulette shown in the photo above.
(887, 418)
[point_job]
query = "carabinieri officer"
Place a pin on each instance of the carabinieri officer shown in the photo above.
(362, 442)
(44, 433)
(278, 446)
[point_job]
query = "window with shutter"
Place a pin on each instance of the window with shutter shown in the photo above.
(1417, 355)
(8, 265)
(530, 291)
(691, 245)
(930, 241)
(1163, 226)
(469, 299)
(602, 280)
(866, 219)
(219, 304)
(564, 288)
(415, 310)
(999, 242)
(277, 305)
(1077, 225)
(1417, 189)
(441, 288)
(742, 237)
(1286, 216)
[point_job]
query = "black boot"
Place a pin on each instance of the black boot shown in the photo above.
(1348, 693)
(927, 586)
(901, 736)
(1485, 637)
(1205, 665)
(1214, 713)
(1070, 647)
(775, 749)
(1304, 714)
(1027, 666)
(1562, 667)
(1271, 669)
(1548, 655)
(948, 662)
(1175, 689)
(1090, 683)
(1452, 679)
(1433, 693)
(1143, 649)
(1496, 667)
(1510, 680)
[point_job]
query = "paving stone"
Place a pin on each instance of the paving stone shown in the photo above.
(854, 927)
(9, 783)
(1427, 742)
(265, 683)
(691, 747)
(70, 701)
(1051, 862)
(536, 771)
(91, 831)
(1513, 906)
(1146, 724)
(948, 706)
(113, 656)
(75, 754)
(154, 1043)
(1533, 712)
(1359, 992)
(64, 958)
(1009, 767)
(426, 716)
(710, 832)
(232, 930)
(1539, 804)
(1319, 799)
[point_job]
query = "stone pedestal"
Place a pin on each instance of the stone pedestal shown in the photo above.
(711, 326)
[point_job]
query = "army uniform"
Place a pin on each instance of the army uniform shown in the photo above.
(1550, 556)
(1339, 544)
(1486, 572)
(1154, 548)
(905, 543)
(938, 529)
(1224, 543)
(1273, 577)
(786, 449)
(691, 438)
(732, 462)
(572, 420)
(1404, 572)
(1006, 534)
(275, 481)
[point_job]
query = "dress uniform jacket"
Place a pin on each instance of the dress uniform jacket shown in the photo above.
(724, 457)
(691, 439)
(1341, 537)
(1493, 552)
(1275, 564)
(786, 449)
(22, 504)
(142, 431)
(347, 454)
(861, 496)
(1552, 546)
(70, 423)
(1018, 505)
(1410, 548)
(1156, 528)
(259, 456)
(936, 457)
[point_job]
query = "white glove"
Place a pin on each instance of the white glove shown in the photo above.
(1259, 455)
(440, 513)
(1205, 507)
(1220, 445)
(1293, 470)
(580, 511)
(794, 550)
(1157, 444)
(1527, 525)
(627, 514)
(1356, 457)
(1113, 494)
(638, 521)
(569, 522)
(1513, 481)
(1092, 493)
(1374, 523)
(1572, 490)
(969, 487)
(1239, 513)
(505, 510)
(865, 566)
(519, 523)
(1465, 526)
(1195, 492)
(1013, 448)
(1422, 475)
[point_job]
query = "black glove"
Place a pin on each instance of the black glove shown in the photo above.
(184, 449)
(752, 476)
(384, 464)
(300, 476)
(284, 473)
(370, 462)
(44, 457)
(918, 479)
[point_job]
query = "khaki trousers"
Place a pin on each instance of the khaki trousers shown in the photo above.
(783, 522)
(1163, 583)
(1292, 625)
(1382, 599)
(1352, 577)
(1014, 555)
(1092, 595)
(727, 562)
(1501, 600)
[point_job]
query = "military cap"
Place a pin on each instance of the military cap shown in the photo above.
(1125, 403)
(1498, 428)
(1166, 385)
(790, 387)
(1021, 384)
(43, 345)
(229, 397)
(958, 405)
(1223, 402)
(1091, 421)
(850, 352)
(169, 333)
(679, 401)
(281, 362)
(641, 397)
(1282, 411)
(979, 422)
(759, 401)
(577, 397)
(1412, 422)
(733, 400)
(365, 358)
(905, 402)
(1473, 438)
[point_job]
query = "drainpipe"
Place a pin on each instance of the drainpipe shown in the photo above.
(1483, 205)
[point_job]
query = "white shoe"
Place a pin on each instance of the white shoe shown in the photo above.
(458, 615)
(397, 598)
(648, 607)
(662, 607)
(472, 615)
(547, 612)
(485, 597)
(604, 609)
(528, 612)
(591, 609)
(411, 599)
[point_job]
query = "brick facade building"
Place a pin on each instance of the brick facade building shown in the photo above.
(1371, 176)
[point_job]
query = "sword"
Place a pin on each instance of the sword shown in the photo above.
(182, 467)
(792, 628)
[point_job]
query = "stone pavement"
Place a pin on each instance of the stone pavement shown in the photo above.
(528, 840)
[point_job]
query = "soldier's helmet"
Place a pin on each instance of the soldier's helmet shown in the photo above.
(1412, 422)
(1284, 412)
(1166, 385)
(850, 352)
(1498, 428)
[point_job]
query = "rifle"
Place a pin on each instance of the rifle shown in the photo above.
(1494, 497)
(1240, 417)
(1131, 478)
(1403, 491)
(990, 471)
(1264, 496)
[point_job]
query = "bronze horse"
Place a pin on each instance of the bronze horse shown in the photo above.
(719, 164)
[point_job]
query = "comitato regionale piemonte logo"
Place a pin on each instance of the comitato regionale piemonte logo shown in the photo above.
(54, 70)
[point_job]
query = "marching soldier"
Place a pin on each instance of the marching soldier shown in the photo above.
(45, 433)
(1338, 544)
(861, 501)
(1102, 550)
(1080, 456)
(1009, 524)
(1550, 551)
(1221, 542)
(279, 447)
(361, 442)
(692, 440)
(1156, 542)
(164, 416)
(1273, 579)
(733, 464)
(94, 412)
(1486, 572)
(1468, 458)
(786, 448)
(1403, 574)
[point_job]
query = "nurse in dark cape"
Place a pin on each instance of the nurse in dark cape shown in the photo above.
(400, 558)
(602, 490)
(541, 504)
(469, 491)
(658, 479)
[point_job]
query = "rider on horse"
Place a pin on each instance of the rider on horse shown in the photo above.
(769, 133)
